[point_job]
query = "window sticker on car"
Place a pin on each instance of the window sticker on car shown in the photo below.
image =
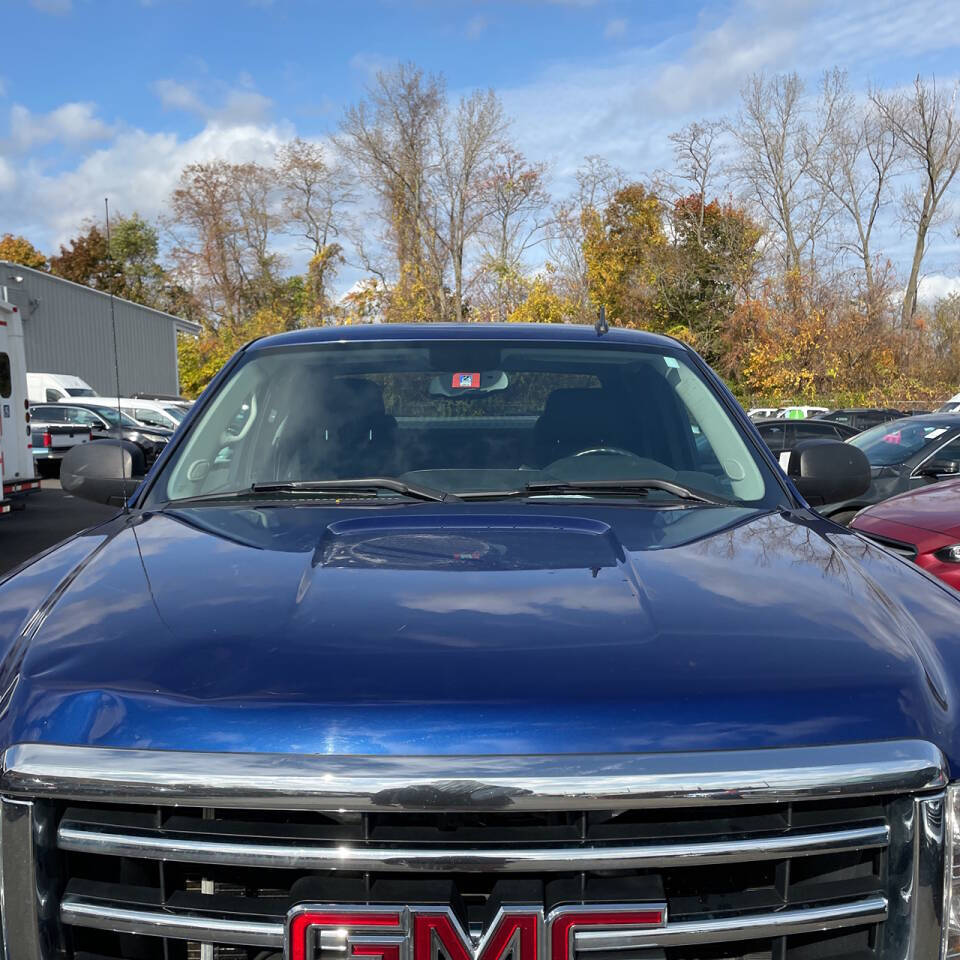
(894, 437)
(466, 381)
(939, 432)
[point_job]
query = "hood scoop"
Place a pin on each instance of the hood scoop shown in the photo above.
(436, 542)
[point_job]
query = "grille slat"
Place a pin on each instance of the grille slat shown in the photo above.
(102, 916)
(82, 839)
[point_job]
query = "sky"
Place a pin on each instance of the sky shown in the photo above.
(113, 97)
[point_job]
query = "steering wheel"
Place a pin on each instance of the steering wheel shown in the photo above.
(604, 451)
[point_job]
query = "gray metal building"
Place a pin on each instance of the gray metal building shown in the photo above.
(67, 329)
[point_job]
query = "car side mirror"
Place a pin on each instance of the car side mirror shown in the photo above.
(936, 469)
(828, 471)
(104, 471)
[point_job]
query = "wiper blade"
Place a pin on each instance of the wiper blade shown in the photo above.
(632, 487)
(355, 485)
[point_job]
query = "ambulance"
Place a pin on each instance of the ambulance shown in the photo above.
(16, 453)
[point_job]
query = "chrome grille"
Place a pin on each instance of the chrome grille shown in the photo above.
(846, 873)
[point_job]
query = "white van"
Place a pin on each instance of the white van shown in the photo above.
(17, 471)
(51, 387)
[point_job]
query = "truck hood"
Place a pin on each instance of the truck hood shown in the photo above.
(512, 628)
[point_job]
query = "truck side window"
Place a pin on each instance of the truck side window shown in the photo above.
(52, 395)
(6, 384)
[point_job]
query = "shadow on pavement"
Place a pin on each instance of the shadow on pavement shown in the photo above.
(49, 517)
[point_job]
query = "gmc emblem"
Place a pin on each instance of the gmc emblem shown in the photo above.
(423, 932)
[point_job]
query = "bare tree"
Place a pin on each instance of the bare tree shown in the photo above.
(696, 152)
(223, 221)
(860, 155)
(597, 181)
(778, 145)
(926, 122)
(315, 194)
(390, 139)
(515, 203)
(467, 144)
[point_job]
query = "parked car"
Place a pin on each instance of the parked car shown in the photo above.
(762, 413)
(862, 418)
(799, 413)
(422, 633)
(904, 455)
(105, 423)
(50, 439)
(922, 525)
(951, 406)
(782, 436)
(51, 387)
(149, 413)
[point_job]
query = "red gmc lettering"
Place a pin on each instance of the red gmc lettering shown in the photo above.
(421, 933)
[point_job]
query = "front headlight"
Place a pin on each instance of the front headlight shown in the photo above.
(951, 880)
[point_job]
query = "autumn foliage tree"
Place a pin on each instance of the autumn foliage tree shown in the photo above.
(17, 249)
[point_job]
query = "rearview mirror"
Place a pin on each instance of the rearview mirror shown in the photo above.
(828, 471)
(104, 471)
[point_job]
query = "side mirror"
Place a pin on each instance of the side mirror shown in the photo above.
(937, 469)
(828, 471)
(104, 471)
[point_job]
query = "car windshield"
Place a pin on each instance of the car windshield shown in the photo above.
(465, 417)
(112, 416)
(80, 392)
(897, 441)
(175, 413)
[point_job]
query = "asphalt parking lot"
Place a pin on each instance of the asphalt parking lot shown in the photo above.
(49, 517)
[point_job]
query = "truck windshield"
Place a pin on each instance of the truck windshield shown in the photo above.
(466, 416)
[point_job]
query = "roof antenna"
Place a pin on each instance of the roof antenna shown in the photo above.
(116, 368)
(601, 325)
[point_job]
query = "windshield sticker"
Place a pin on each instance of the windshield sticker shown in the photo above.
(894, 437)
(466, 381)
(933, 434)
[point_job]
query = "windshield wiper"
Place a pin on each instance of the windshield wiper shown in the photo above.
(355, 485)
(634, 488)
(631, 487)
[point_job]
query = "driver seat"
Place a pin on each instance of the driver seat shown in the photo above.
(575, 419)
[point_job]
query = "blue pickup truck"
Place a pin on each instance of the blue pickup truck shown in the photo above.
(475, 643)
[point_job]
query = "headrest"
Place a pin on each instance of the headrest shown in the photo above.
(573, 402)
(356, 397)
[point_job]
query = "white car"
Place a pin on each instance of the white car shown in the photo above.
(761, 413)
(150, 413)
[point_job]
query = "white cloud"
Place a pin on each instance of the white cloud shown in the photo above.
(137, 170)
(238, 106)
(615, 28)
(7, 176)
(71, 123)
(370, 64)
(477, 26)
(52, 6)
(177, 96)
(936, 286)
